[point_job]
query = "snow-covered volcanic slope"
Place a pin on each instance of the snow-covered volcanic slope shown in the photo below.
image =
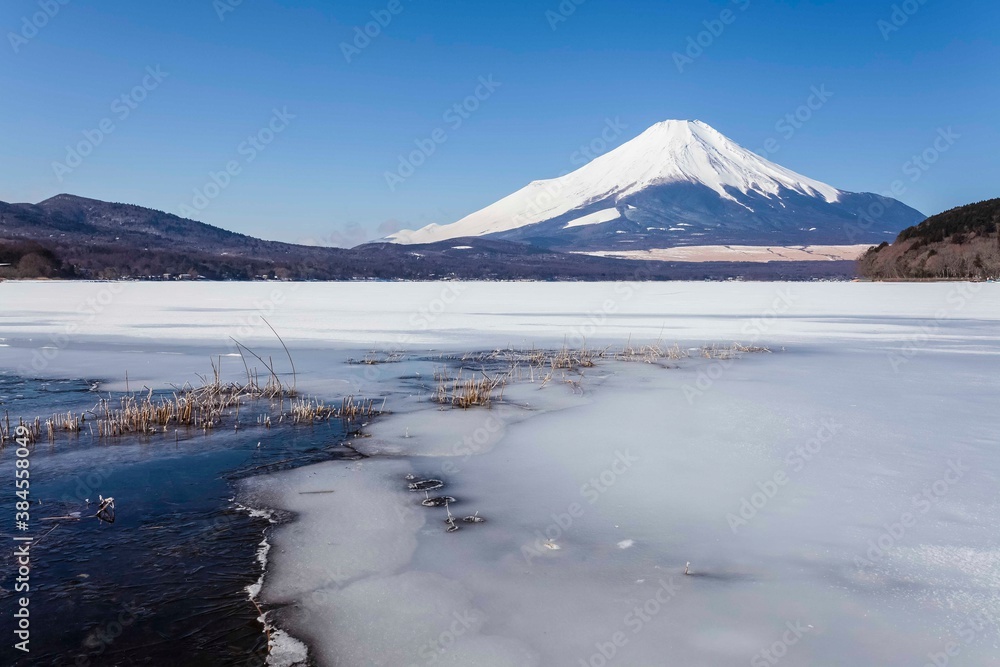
(679, 183)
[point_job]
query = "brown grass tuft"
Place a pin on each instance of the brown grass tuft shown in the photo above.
(462, 392)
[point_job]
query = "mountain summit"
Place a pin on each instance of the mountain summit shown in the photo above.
(679, 183)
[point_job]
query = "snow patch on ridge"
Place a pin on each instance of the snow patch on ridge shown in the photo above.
(606, 215)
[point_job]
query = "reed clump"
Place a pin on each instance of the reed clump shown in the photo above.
(467, 392)
(309, 411)
(731, 351)
(651, 354)
(27, 431)
(211, 409)
(132, 414)
(66, 423)
(567, 359)
(212, 405)
(32, 431)
(376, 358)
(559, 365)
(537, 360)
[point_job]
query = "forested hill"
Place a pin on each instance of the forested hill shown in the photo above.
(963, 243)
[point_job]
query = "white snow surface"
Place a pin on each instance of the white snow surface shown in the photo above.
(673, 151)
(876, 407)
(69, 316)
(605, 215)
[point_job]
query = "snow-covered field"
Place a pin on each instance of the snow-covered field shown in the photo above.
(836, 499)
(742, 253)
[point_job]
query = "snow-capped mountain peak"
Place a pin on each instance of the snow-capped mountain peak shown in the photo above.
(692, 151)
(666, 176)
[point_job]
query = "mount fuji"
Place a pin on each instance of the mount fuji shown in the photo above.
(679, 183)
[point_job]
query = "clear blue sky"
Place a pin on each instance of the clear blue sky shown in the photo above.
(323, 175)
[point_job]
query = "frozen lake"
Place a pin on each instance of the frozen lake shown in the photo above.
(833, 501)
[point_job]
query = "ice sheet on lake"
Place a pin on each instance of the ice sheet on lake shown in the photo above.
(595, 504)
(166, 318)
(836, 499)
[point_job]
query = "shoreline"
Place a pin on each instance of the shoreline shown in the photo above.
(438, 450)
(154, 530)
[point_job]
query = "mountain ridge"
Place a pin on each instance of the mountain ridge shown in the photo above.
(67, 236)
(677, 183)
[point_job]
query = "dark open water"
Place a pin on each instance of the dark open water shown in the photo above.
(166, 583)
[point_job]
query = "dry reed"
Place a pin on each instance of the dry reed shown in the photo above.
(463, 392)
(207, 407)
(543, 366)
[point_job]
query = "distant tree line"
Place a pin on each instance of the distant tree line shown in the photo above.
(29, 259)
(74, 237)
